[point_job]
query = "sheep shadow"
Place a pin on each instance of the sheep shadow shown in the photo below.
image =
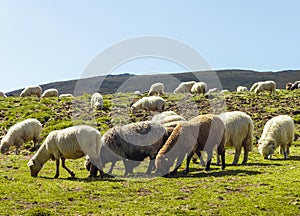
(87, 179)
(254, 164)
(290, 158)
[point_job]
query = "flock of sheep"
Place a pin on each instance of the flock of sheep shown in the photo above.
(167, 138)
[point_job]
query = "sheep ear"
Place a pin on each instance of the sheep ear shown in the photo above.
(30, 163)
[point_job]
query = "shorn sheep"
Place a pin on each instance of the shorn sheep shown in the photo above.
(241, 89)
(132, 143)
(156, 89)
(2, 94)
(263, 86)
(32, 91)
(199, 88)
(238, 133)
(97, 101)
(202, 133)
(278, 132)
(27, 130)
(50, 93)
(70, 143)
(151, 103)
(184, 87)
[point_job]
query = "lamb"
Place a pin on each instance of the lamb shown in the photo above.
(24, 131)
(202, 133)
(184, 87)
(70, 143)
(2, 94)
(263, 86)
(278, 131)
(241, 89)
(32, 91)
(238, 133)
(156, 89)
(132, 143)
(50, 93)
(151, 103)
(199, 88)
(66, 95)
(97, 101)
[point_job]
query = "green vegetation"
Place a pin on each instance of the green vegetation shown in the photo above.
(262, 187)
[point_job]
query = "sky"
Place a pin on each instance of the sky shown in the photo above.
(52, 40)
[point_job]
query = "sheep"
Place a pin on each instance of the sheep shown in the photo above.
(278, 131)
(70, 143)
(24, 131)
(199, 88)
(137, 93)
(151, 103)
(295, 85)
(2, 94)
(212, 92)
(50, 93)
(224, 91)
(288, 86)
(97, 101)
(241, 89)
(156, 89)
(202, 133)
(184, 87)
(32, 91)
(168, 119)
(132, 143)
(263, 86)
(66, 95)
(238, 133)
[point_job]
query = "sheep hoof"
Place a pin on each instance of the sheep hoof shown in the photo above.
(72, 174)
(56, 176)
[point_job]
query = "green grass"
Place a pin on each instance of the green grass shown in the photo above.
(262, 187)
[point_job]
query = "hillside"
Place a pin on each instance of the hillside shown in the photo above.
(229, 79)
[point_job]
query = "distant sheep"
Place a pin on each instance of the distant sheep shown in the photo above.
(69, 143)
(238, 133)
(156, 89)
(263, 86)
(212, 92)
(168, 119)
(224, 91)
(241, 89)
(278, 131)
(50, 93)
(24, 131)
(151, 103)
(97, 101)
(66, 95)
(288, 86)
(295, 85)
(184, 87)
(138, 93)
(202, 133)
(32, 91)
(2, 94)
(199, 88)
(132, 143)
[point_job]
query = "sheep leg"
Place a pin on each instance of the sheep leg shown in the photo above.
(202, 162)
(57, 168)
(151, 166)
(236, 155)
(111, 167)
(245, 156)
(66, 168)
(188, 160)
(178, 164)
(209, 156)
(93, 171)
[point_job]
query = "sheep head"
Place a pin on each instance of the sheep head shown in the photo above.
(163, 165)
(4, 147)
(34, 167)
(266, 148)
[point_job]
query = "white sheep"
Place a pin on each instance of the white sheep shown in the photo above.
(212, 92)
(31, 91)
(50, 93)
(24, 131)
(199, 88)
(66, 95)
(70, 143)
(184, 87)
(263, 86)
(138, 93)
(241, 89)
(238, 133)
(168, 119)
(151, 103)
(2, 94)
(97, 101)
(157, 89)
(224, 91)
(278, 131)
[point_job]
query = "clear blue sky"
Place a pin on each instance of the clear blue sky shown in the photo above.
(54, 40)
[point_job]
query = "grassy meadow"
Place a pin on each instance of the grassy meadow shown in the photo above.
(261, 187)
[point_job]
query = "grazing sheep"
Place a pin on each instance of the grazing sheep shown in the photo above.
(151, 103)
(288, 86)
(241, 89)
(168, 119)
(50, 93)
(32, 91)
(278, 131)
(238, 133)
(212, 92)
(157, 89)
(199, 88)
(202, 133)
(24, 131)
(2, 94)
(263, 86)
(295, 85)
(132, 143)
(184, 87)
(66, 95)
(97, 101)
(70, 143)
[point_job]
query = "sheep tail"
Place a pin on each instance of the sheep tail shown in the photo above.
(248, 141)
